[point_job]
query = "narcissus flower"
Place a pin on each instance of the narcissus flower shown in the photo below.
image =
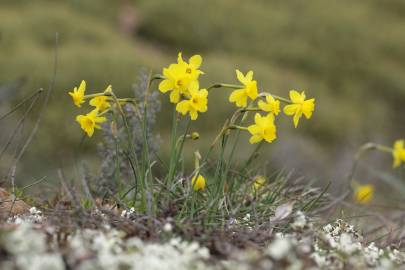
(192, 66)
(300, 106)
(240, 96)
(101, 103)
(263, 129)
(179, 76)
(398, 153)
(259, 182)
(90, 121)
(78, 94)
(363, 194)
(198, 182)
(271, 105)
(197, 101)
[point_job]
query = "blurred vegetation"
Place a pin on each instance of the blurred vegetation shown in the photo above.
(347, 54)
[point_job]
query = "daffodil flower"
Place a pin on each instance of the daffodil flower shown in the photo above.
(363, 194)
(271, 105)
(398, 153)
(299, 106)
(78, 94)
(198, 182)
(175, 81)
(240, 96)
(192, 67)
(197, 101)
(101, 103)
(179, 76)
(90, 121)
(263, 129)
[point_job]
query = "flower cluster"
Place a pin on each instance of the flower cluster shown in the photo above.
(181, 80)
(101, 103)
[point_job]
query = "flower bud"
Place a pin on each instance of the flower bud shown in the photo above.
(195, 135)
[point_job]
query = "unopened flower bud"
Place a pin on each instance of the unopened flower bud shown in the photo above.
(195, 136)
(108, 90)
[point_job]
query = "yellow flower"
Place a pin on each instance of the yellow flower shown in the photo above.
(179, 76)
(89, 121)
(198, 182)
(197, 101)
(191, 67)
(240, 96)
(398, 153)
(270, 105)
(101, 103)
(259, 182)
(300, 106)
(364, 194)
(78, 94)
(263, 128)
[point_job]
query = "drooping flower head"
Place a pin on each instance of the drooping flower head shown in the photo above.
(77, 94)
(240, 96)
(101, 103)
(263, 129)
(398, 153)
(271, 105)
(90, 121)
(299, 106)
(197, 102)
(179, 76)
(363, 194)
(198, 182)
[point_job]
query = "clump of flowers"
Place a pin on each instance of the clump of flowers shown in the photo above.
(181, 80)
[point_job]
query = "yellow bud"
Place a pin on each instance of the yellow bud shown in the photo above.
(108, 90)
(195, 135)
(258, 182)
(364, 194)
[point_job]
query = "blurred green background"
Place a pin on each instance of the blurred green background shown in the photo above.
(349, 55)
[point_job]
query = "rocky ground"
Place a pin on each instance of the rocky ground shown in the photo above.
(33, 241)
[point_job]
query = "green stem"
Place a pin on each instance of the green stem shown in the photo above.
(172, 148)
(285, 100)
(99, 95)
(225, 85)
(360, 153)
(133, 152)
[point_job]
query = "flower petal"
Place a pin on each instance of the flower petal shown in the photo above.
(255, 139)
(291, 109)
(166, 85)
(240, 77)
(296, 97)
(195, 61)
(183, 107)
(174, 96)
(249, 75)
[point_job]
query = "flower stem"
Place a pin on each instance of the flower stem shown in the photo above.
(360, 153)
(225, 85)
(285, 100)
